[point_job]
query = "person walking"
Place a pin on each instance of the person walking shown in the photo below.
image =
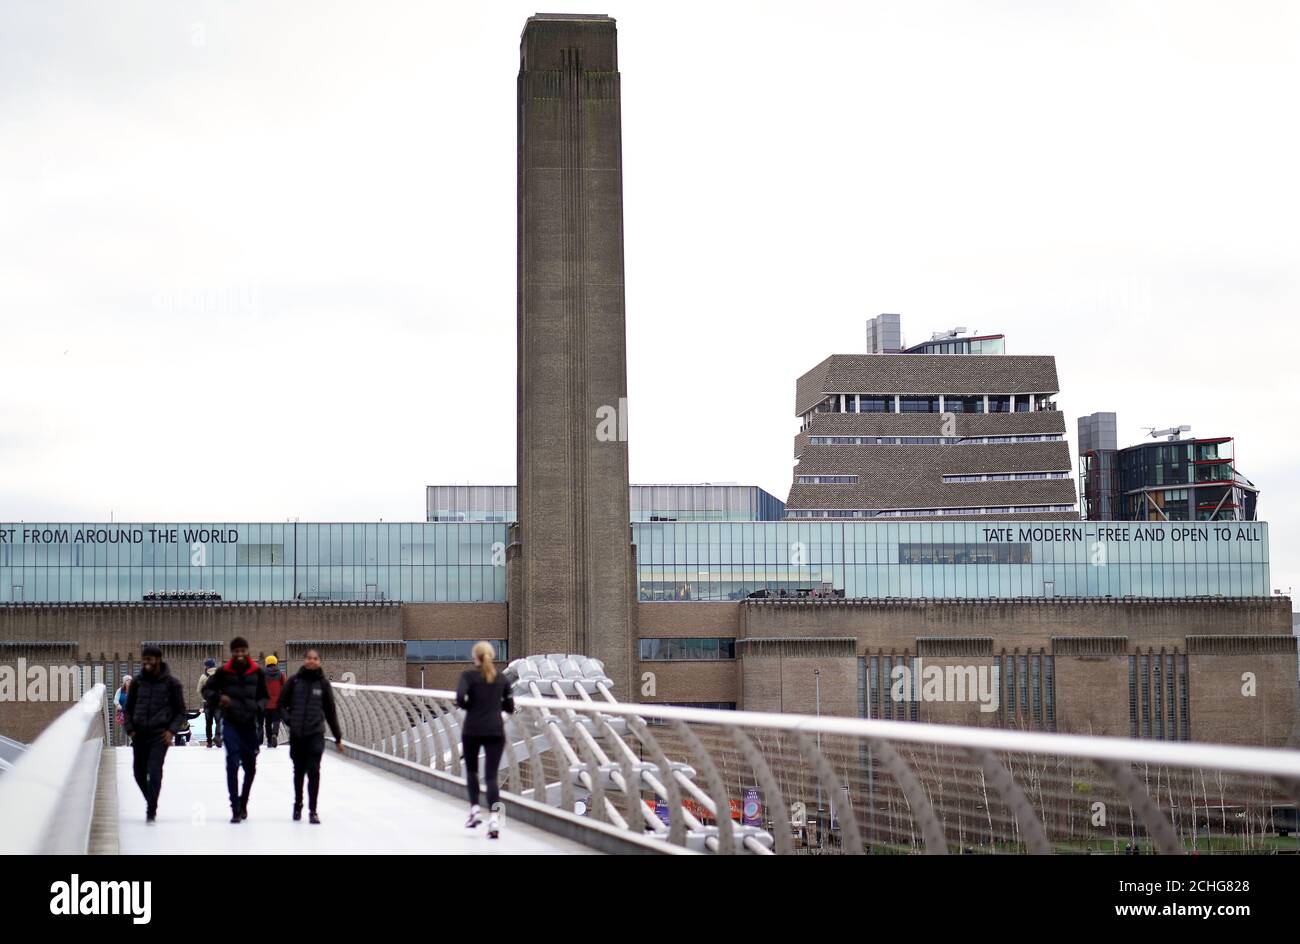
(271, 717)
(238, 688)
(211, 716)
(484, 693)
(307, 705)
(119, 699)
(154, 712)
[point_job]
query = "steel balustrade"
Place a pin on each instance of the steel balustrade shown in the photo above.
(879, 786)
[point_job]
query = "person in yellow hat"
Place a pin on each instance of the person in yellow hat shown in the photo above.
(271, 716)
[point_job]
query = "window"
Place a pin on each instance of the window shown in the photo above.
(927, 440)
(918, 404)
(1158, 689)
(961, 403)
(450, 650)
(1144, 679)
(1184, 731)
(921, 512)
(1049, 693)
(995, 553)
(688, 649)
(1132, 697)
(875, 403)
(1004, 476)
(999, 404)
(259, 554)
(988, 346)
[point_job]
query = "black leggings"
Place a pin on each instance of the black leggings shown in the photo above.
(492, 746)
(306, 754)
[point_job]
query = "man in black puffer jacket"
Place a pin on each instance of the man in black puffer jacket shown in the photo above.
(238, 688)
(306, 706)
(154, 712)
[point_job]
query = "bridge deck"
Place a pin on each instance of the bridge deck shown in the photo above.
(362, 810)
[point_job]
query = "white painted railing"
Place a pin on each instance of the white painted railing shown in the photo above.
(47, 797)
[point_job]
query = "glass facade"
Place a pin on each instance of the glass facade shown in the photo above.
(678, 560)
(93, 563)
(497, 503)
(490, 503)
(989, 345)
(703, 503)
(968, 559)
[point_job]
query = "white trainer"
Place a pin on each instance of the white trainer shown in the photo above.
(474, 817)
(494, 821)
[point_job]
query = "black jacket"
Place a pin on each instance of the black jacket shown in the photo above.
(483, 702)
(307, 705)
(247, 691)
(154, 704)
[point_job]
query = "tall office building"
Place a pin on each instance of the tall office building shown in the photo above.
(572, 590)
(954, 434)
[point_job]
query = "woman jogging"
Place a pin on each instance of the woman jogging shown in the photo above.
(484, 693)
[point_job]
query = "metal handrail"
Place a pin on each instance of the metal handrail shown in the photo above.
(1017, 789)
(1252, 760)
(47, 796)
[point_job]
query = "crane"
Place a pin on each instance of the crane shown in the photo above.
(1173, 433)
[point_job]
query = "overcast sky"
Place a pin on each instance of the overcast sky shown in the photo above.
(257, 260)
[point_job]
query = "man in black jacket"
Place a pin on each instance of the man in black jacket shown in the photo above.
(154, 712)
(306, 706)
(238, 688)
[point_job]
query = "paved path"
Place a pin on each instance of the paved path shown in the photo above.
(363, 810)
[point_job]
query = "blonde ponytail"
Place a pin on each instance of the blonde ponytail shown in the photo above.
(484, 655)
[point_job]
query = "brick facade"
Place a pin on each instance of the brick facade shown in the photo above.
(1234, 661)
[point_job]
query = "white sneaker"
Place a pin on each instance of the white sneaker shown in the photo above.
(474, 818)
(494, 822)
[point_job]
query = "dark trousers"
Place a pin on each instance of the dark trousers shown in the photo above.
(305, 752)
(150, 752)
(271, 725)
(241, 750)
(212, 722)
(492, 747)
